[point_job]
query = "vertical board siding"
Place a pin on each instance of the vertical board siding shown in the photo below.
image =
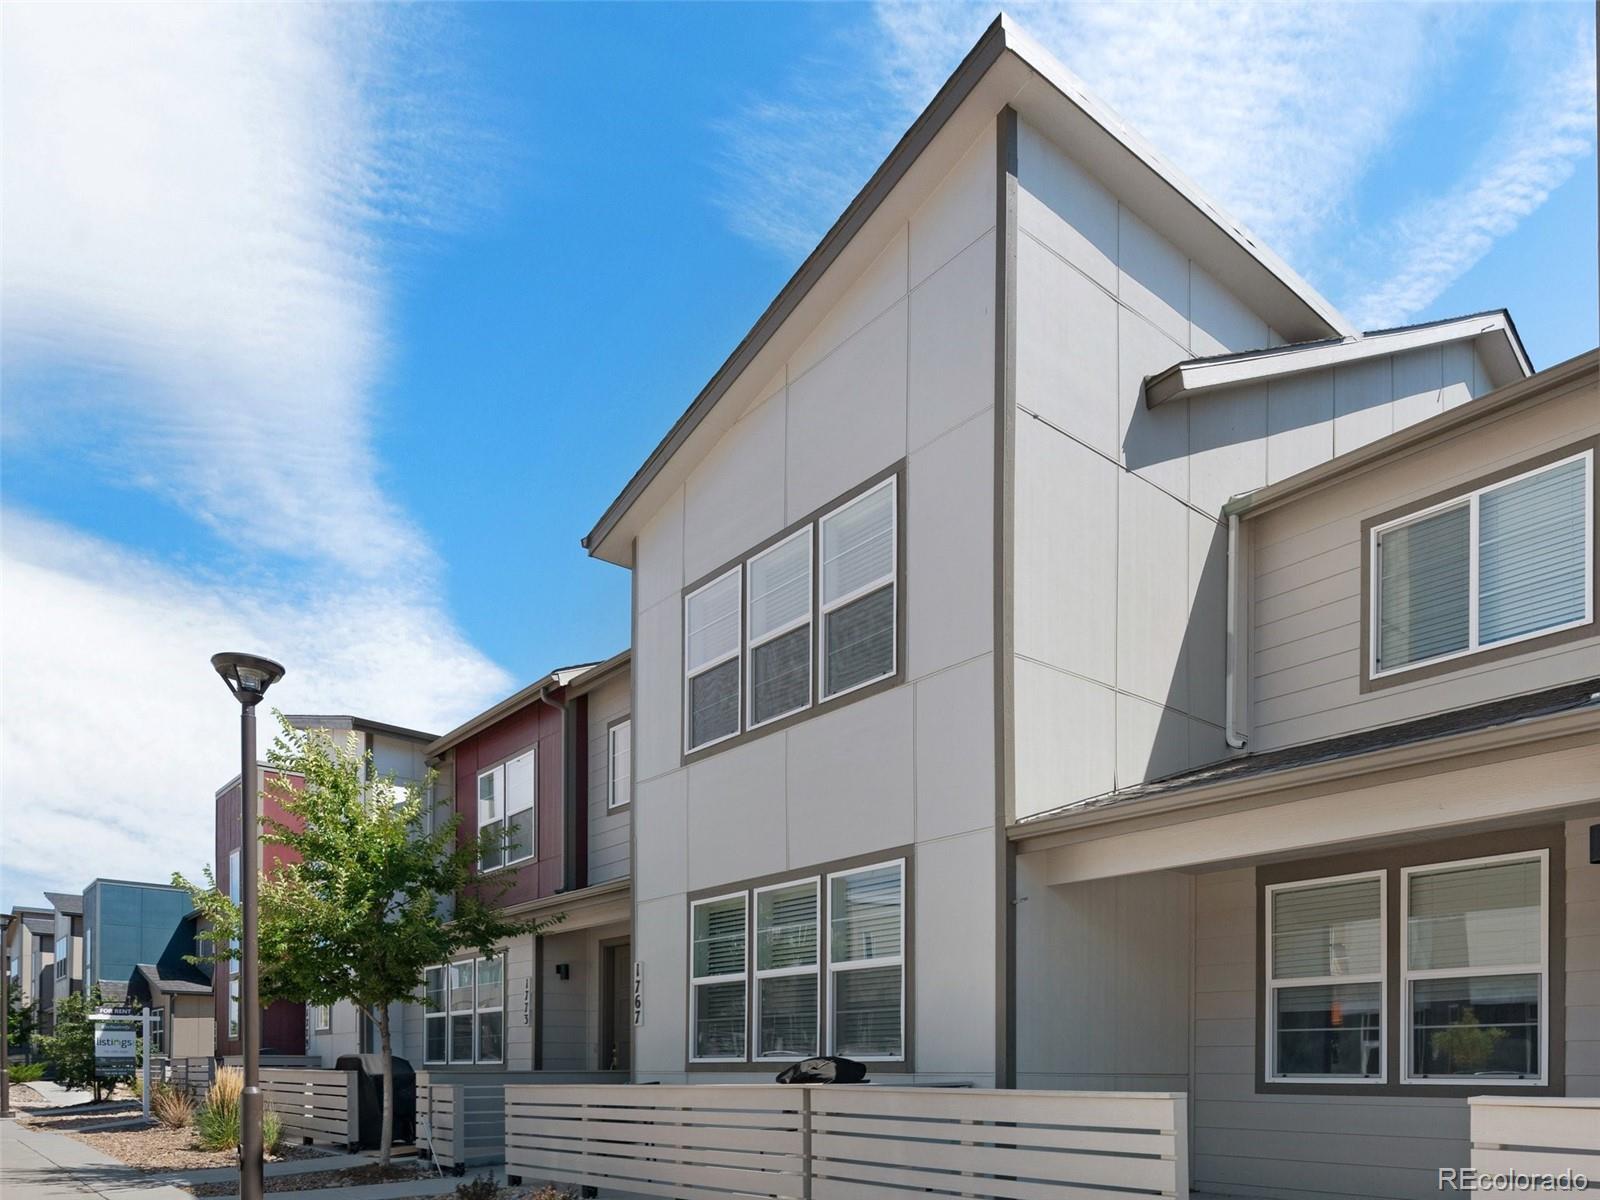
(827, 1143)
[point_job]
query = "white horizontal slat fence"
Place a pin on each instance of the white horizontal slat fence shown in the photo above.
(313, 1105)
(1528, 1137)
(850, 1143)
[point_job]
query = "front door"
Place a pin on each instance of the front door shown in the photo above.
(616, 1006)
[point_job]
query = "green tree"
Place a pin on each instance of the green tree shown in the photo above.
(22, 1022)
(70, 1050)
(379, 893)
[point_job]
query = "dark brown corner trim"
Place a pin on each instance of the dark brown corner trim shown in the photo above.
(1390, 860)
(1491, 653)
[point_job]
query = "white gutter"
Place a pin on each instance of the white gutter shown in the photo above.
(1237, 737)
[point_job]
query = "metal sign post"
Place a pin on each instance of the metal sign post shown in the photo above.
(115, 1052)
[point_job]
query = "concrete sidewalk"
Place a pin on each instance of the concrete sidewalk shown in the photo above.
(35, 1165)
(56, 1096)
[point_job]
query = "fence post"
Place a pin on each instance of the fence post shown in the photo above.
(805, 1140)
(352, 1104)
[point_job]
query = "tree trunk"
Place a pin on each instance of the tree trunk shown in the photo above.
(388, 1085)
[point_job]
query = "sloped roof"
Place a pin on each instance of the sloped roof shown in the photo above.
(1005, 68)
(39, 922)
(66, 902)
(176, 979)
(560, 677)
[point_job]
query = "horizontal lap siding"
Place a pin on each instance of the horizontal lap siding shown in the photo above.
(1306, 599)
(1583, 964)
(608, 830)
(1291, 1147)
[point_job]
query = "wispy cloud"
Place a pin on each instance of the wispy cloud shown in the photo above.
(195, 201)
(116, 730)
(1550, 127)
(201, 213)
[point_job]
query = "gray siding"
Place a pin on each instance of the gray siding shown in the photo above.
(900, 368)
(1306, 599)
(608, 830)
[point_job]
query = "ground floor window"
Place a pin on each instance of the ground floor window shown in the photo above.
(464, 1011)
(802, 966)
(1470, 1003)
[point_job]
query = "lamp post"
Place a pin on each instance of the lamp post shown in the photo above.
(248, 678)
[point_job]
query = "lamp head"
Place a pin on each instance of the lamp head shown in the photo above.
(248, 676)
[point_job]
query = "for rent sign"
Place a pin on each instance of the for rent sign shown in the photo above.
(115, 1051)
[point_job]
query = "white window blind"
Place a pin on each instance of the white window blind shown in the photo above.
(522, 805)
(866, 961)
(492, 817)
(1475, 937)
(619, 764)
(858, 591)
(1502, 563)
(717, 978)
(786, 1001)
(1325, 979)
(711, 661)
(1533, 552)
(779, 630)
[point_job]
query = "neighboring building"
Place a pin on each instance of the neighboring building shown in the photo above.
(29, 949)
(395, 751)
(127, 923)
(937, 567)
(180, 994)
(554, 761)
(62, 976)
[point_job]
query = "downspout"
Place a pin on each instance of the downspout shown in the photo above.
(1237, 737)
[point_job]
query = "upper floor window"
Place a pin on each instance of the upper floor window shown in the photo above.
(1492, 567)
(810, 617)
(619, 764)
(508, 797)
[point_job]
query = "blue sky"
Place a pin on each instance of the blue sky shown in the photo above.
(329, 331)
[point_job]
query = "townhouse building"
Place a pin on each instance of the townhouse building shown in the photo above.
(288, 1028)
(1067, 653)
(29, 949)
(62, 974)
(126, 923)
(552, 763)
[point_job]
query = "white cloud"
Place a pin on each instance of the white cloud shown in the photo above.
(116, 731)
(193, 207)
(1548, 130)
(1273, 108)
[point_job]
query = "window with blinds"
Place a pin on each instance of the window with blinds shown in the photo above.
(1475, 972)
(1503, 563)
(717, 978)
(711, 661)
(779, 629)
(787, 1016)
(866, 977)
(1324, 979)
(858, 583)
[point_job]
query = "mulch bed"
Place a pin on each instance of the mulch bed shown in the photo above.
(152, 1147)
(311, 1180)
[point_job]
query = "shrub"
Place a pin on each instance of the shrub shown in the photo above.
(26, 1072)
(479, 1187)
(216, 1123)
(170, 1106)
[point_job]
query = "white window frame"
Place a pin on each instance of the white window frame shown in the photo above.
(498, 774)
(1272, 985)
(612, 776)
(441, 1014)
(860, 964)
(753, 963)
(321, 1018)
(479, 1009)
(1472, 500)
(532, 809)
(737, 572)
(1542, 970)
(825, 607)
(697, 981)
(752, 644)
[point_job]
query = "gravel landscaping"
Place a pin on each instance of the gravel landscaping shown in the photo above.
(312, 1180)
(22, 1095)
(152, 1147)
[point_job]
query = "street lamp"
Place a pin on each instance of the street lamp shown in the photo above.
(248, 678)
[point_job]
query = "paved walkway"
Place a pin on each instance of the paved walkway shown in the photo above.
(55, 1095)
(35, 1165)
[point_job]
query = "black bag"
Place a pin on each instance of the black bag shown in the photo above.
(824, 1070)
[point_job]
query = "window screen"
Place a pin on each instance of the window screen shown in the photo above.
(711, 661)
(858, 591)
(780, 628)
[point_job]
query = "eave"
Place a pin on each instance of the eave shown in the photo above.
(1493, 332)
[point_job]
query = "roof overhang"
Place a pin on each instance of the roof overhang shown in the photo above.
(531, 694)
(1005, 68)
(596, 675)
(1546, 385)
(343, 722)
(1492, 333)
